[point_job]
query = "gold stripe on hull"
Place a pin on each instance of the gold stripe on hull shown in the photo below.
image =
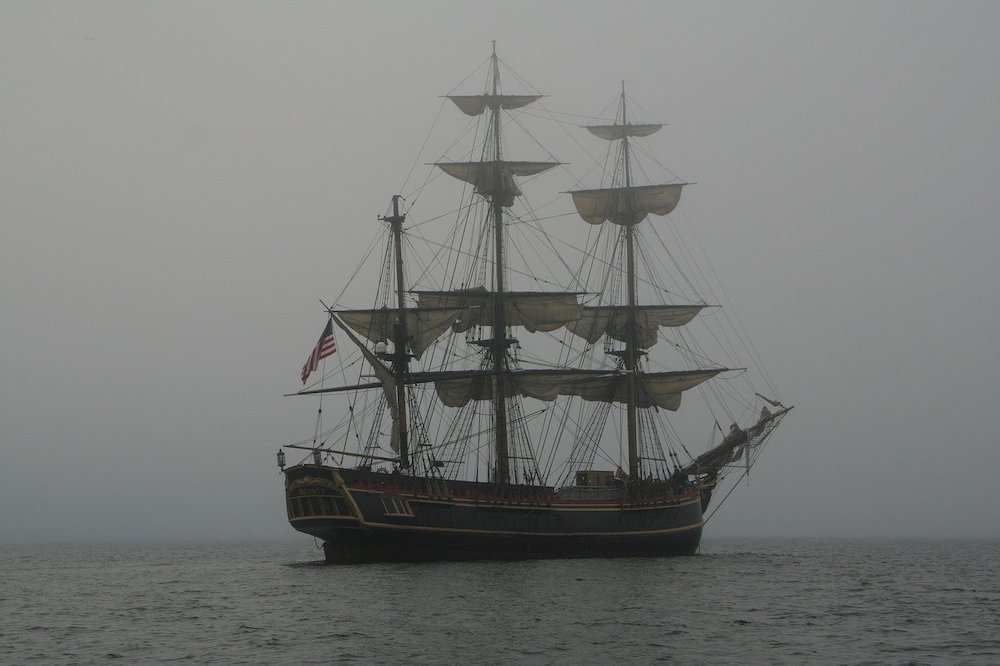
(454, 530)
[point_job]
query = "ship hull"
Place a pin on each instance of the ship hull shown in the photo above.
(364, 517)
(348, 546)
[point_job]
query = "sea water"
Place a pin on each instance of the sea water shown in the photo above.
(739, 601)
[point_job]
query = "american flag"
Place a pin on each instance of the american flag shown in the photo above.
(327, 345)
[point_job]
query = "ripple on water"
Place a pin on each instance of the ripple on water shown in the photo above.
(755, 601)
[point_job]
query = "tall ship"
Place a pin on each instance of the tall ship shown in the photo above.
(516, 394)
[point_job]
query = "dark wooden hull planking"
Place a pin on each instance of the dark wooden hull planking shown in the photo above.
(366, 516)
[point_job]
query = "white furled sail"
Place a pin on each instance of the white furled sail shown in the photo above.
(535, 311)
(656, 389)
(626, 205)
(612, 320)
(615, 132)
(495, 179)
(387, 380)
(423, 325)
(475, 105)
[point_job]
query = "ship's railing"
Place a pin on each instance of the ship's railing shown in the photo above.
(602, 493)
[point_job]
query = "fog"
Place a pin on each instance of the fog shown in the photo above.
(181, 182)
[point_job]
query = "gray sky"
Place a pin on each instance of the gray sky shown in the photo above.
(180, 182)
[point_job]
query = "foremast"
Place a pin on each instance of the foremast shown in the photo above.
(626, 205)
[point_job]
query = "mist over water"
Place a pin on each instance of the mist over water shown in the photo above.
(740, 601)
(180, 183)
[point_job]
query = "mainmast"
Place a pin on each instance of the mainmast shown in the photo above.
(493, 178)
(631, 350)
(498, 347)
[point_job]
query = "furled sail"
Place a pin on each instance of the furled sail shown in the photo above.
(495, 179)
(612, 320)
(615, 132)
(626, 205)
(387, 380)
(535, 311)
(423, 325)
(658, 389)
(474, 105)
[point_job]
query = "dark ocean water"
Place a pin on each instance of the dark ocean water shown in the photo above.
(740, 601)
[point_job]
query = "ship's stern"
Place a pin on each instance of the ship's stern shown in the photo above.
(317, 503)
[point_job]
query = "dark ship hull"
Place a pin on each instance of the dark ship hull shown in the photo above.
(364, 516)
